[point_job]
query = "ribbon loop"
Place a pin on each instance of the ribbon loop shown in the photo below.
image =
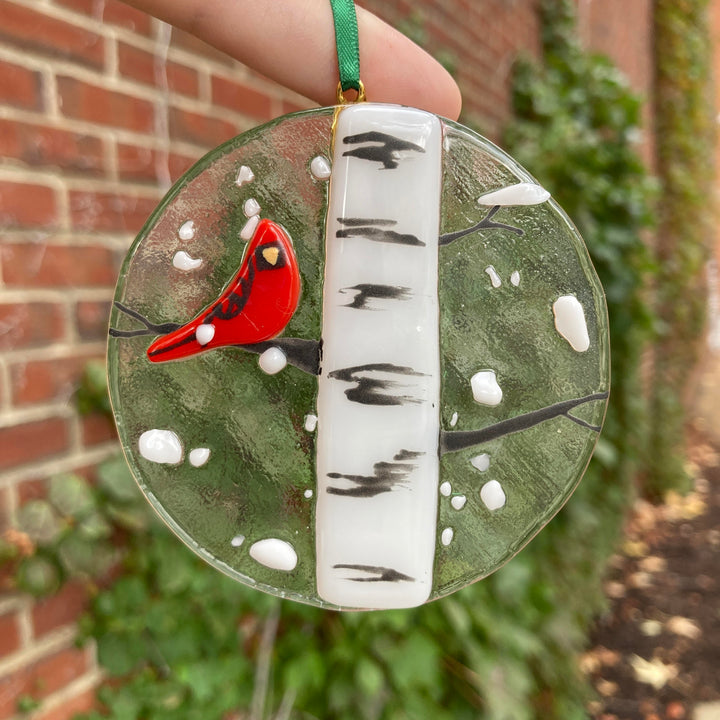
(348, 47)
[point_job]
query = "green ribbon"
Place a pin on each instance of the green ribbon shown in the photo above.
(346, 40)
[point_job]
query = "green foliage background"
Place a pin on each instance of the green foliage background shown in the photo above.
(185, 642)
(686, 159)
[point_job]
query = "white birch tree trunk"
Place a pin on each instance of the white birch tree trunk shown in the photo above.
(379, 388)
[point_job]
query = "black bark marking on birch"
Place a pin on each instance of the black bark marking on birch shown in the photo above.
(386, 476)
(355, 222)
(366, 291)
(149, 329)
(385, 152)
(408, 454)
(303, 354)
(487, 223)
(370, 390)
(452, 441)
(382, 574)
(379, 234)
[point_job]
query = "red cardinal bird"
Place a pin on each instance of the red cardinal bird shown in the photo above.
(254, 307)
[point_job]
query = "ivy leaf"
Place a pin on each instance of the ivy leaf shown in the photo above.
(38, 576)
(40, 522)
(116, 480)
(94, 527)
(80, 556)
(117, 655)
(71, 495)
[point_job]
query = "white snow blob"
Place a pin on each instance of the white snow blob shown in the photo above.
(481, 462)
(237, 541)
(446, 536)
(182, 261)
(445, 489)
(205, 333)
(250, 227)
(274, 553)
(308, 493)
(199, 456)
(251, 207)
(519, 194)
(515, 278)
(495, 280)
(320, 167)
(485, 388)
(458, 502)
(272, 361)
(161, 446)
(187, 230)
(245, 175)
(492, 495)
(453, 419)
(311, 422)
(570, 322)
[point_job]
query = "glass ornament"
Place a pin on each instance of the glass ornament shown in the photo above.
(358, 357)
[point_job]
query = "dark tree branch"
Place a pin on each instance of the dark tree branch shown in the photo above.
(303, 354)
(582, 423)
(486, 223)
(452, 441)
(150, 328)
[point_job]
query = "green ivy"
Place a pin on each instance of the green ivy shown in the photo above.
(577, 130)
(685, 159)
(73, 532)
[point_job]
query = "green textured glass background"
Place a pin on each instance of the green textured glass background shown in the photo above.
(262, 459)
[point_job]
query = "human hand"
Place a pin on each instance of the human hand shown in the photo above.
(293, 43)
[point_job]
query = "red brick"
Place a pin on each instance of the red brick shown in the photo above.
(46, 380)
(97, 429)
(57, 265)
(83, 101)
(241, 98)
(9, 634)
(141, 66)
(136, 64)
(118, 13)
(60, 609)
(33, 441)
(38, 32)
(41, 679)
(82, 703)
(109, 211)
(136, 163)
(182, 79)
(199, 129)
(20, 87)
(40, 145)
(32, 490)
(91, 319)
(26, 325)
(5, 519)
(27, 205)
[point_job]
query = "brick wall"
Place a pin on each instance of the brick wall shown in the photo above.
(101, 108)
(623, 30)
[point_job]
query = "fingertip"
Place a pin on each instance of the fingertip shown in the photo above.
(396, 70)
